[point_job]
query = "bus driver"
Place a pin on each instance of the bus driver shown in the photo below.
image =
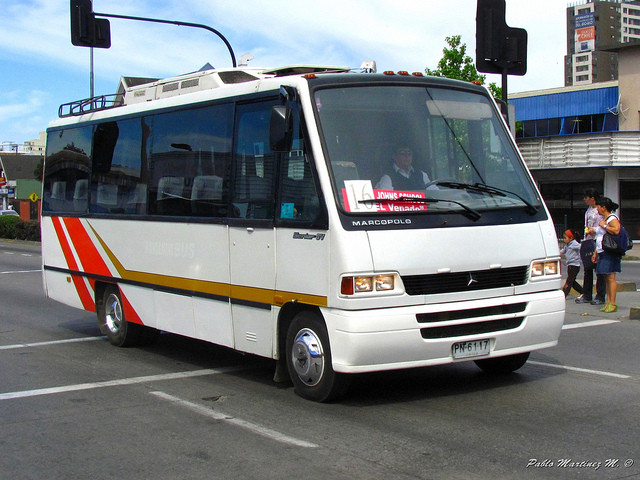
(401, 175)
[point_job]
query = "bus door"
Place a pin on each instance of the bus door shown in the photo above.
(251, 232)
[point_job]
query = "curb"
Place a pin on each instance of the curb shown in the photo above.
(19, 242)
(627, 287)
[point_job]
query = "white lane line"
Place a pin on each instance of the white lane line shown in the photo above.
(114, 383)
(259, 429)
(591, 323)
(20, 271)
(51, 342)
(582, 370)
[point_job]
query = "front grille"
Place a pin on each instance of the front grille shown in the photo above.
(471, 313)
(471, 328)
(464, 281)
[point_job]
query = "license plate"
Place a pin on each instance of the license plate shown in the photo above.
(477, 348)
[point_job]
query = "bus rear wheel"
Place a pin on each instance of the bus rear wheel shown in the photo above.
(309, 360)
(503, 365)
(112, 322)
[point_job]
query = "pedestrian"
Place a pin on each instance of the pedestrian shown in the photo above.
(608, 264)
(571, 252)
(587, 248)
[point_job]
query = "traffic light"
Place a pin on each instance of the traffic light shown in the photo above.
(86, 29)
(499, 48)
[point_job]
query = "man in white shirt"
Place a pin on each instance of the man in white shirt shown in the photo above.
(401, 175)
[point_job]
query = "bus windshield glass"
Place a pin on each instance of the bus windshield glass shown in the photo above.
(420, 149)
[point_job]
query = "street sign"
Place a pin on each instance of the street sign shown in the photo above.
(33, 197)
(3, 181)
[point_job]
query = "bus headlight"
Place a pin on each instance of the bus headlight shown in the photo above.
(363, 284)
(351, 285)
(542, 269)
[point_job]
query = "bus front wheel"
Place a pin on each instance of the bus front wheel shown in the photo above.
(112, 322)
(309, 360)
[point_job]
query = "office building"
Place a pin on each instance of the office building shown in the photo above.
(593, 26)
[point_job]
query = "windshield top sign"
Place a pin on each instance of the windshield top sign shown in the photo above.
(359, 196)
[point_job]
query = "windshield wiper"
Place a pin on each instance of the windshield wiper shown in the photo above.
(468, 212)
(483, 188)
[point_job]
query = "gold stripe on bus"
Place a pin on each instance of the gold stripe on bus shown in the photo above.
(236, 292)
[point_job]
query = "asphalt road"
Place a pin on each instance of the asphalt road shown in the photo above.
(74, 407)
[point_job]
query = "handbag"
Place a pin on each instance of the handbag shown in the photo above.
(617, 244)
(587, 247)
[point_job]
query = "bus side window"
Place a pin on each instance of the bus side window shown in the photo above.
(67, 170)
(299, 197)
(119, 167)
(190, 162)
(254, 163)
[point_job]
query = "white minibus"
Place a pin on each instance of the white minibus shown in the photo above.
(337, 222)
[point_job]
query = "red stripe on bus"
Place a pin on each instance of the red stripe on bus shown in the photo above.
(81, 287)
(87, 252)
(130, 313)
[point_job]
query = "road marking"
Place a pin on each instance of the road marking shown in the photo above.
(582, 370)
(52, 342)
(592, 323)
(21, 271)
(115, 383)
(259, 429)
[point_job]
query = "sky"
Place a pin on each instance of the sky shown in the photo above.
(41, 69)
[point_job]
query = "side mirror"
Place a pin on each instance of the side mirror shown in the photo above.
(281, 128)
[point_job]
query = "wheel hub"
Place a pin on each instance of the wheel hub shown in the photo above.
(308, 357)
(113, 314)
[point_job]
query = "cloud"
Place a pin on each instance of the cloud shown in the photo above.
(38, 57)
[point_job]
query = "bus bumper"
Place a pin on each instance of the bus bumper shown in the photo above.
(417, 336)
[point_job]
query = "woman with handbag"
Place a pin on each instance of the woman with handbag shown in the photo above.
(607, 263)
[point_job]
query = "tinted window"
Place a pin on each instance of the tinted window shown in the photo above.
(190, 160)
(68, 162)
(254, 163)
(299, 201)
(120, 167)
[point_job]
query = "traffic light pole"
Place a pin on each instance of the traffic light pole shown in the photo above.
(174, 22)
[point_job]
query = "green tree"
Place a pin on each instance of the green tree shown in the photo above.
(455, 63)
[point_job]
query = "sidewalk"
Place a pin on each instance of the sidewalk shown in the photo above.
(633, 254)
(628, 308)
(627, 297)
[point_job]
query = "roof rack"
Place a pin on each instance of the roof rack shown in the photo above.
(94, 104)
(144, 90)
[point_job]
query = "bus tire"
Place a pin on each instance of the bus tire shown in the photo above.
(112, 322)
(309, 360)
(503, 365)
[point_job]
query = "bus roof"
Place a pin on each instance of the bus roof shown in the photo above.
(154, 89)
(137, 93)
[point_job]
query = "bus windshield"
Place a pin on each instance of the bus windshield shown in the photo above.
(420, 149)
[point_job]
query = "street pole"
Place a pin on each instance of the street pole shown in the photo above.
(505, 104)
(173, 22)
(91, 89)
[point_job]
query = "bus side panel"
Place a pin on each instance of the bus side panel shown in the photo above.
(302, 263)
(212, 321)
(141, 301)
(252, 277)
(182, 272)
(174, 313)
(72, 290)
(57, 251)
